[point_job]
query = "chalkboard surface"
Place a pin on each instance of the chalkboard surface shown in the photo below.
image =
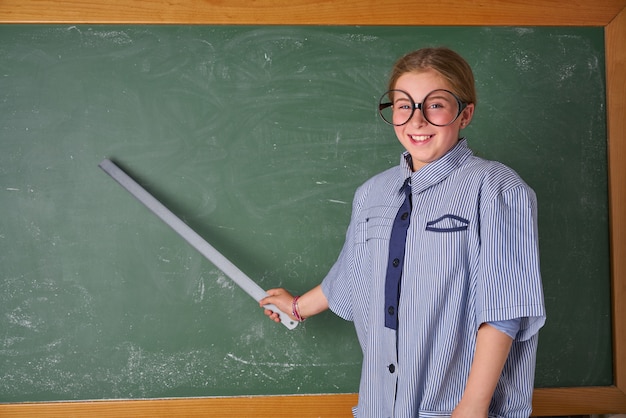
(257, 138)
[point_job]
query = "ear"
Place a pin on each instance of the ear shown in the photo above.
(467, 115)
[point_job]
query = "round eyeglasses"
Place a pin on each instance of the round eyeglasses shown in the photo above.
(439, 108)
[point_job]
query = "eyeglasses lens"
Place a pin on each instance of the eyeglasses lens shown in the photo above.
(440, 107)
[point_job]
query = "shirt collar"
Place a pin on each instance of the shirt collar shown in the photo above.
(436, 171)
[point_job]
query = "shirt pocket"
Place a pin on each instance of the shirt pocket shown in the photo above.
(448, 223)
(438, 414)
(376, 225)
(434, 414)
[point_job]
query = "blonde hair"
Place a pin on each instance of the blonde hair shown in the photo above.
(449, 64)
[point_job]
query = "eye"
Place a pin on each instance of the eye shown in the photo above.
(403, 105)
(436, 105)
(440, 100)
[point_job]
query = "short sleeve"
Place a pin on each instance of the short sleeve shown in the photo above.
(509, 283)
(337, 285)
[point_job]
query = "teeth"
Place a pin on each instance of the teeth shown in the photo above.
(419, 137)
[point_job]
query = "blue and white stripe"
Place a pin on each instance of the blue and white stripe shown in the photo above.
(471, 257)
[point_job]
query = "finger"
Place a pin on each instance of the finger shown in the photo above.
(275, 292)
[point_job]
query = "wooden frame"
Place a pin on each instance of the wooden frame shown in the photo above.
(610, 14)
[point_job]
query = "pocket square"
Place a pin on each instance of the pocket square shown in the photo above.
(447, 223)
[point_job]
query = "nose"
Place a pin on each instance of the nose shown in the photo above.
(417, 119)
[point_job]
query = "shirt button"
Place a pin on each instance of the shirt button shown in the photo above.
(391, 368)
(404, 216)
(391, 310)
(396, 262)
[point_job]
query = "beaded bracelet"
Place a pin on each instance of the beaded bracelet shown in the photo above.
(295, 310)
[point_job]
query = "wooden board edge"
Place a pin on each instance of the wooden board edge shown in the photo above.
(578, 401)
(304, 406)
(547, 402)
(313, 12)
(615, 39)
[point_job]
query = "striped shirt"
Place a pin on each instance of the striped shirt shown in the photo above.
(471, 257)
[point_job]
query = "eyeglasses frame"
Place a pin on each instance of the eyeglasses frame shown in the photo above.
(382, 106)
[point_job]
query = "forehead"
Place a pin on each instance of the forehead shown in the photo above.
(418, 85)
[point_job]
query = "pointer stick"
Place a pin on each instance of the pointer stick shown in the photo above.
(195, 240)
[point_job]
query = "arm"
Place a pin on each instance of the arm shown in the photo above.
(311, 303)
(492, 350)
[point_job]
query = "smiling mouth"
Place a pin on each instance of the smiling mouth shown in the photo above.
(420, 138)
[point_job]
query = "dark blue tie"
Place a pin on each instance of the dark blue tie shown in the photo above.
(396, 257)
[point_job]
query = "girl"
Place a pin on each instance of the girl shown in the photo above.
(440, 267)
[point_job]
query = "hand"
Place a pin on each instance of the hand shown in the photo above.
(280, 298)
(463, 410)
(311, 303)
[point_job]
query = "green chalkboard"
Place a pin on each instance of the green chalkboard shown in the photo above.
(257, 137)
